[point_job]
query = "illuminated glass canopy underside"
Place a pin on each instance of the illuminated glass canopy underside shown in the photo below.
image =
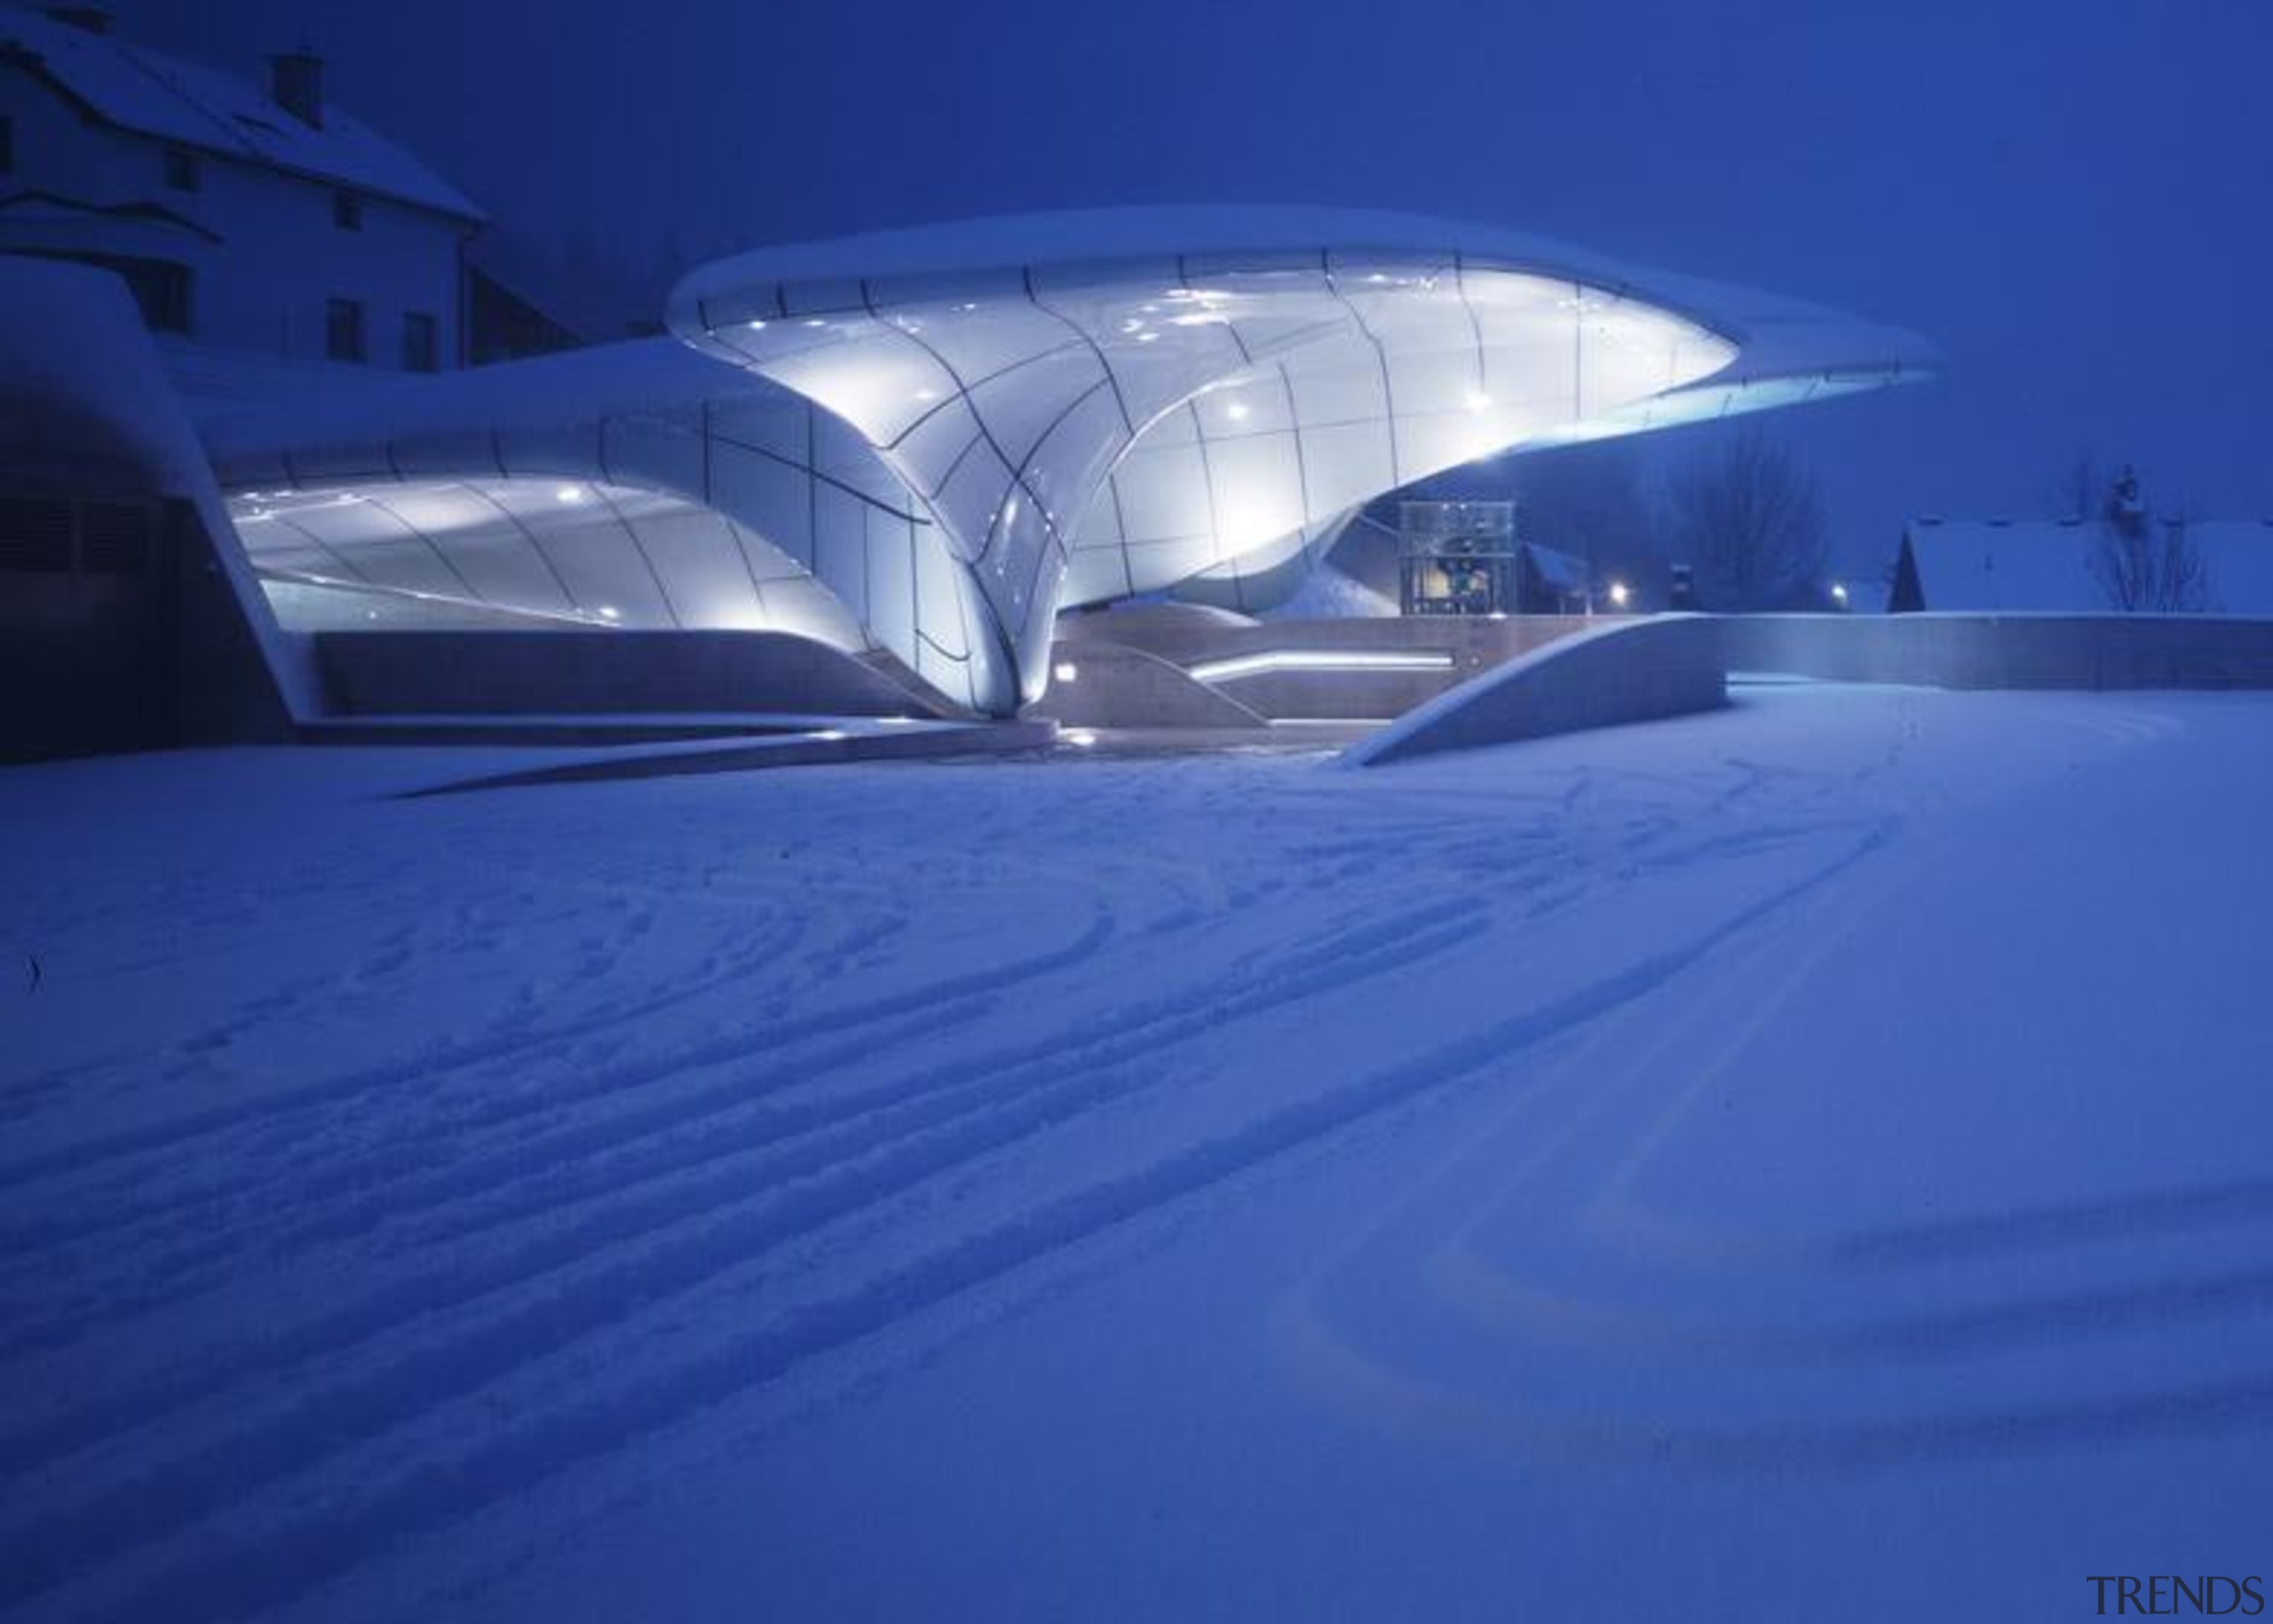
(1087, 435)
(933, 441)
(633, 487)
(536, 551)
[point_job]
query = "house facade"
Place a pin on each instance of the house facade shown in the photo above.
(251, 222)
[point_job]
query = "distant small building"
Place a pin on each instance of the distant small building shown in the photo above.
(1458, 557)
(2057, 565)
(255, 225)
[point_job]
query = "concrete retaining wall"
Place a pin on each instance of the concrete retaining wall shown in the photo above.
(603, 673)
(1188, 636)
(2008, 651)
(1113, 686)
(1635, 672)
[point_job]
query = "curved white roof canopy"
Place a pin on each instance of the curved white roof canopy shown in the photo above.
(635, 486)
(1106, 402)
(930, 441)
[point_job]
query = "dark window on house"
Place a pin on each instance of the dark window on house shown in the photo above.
(347, 211)
(342, 330)
(7, 145)
(421, 349)
(182, 169)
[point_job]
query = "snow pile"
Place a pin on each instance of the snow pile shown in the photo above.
(1327, 593)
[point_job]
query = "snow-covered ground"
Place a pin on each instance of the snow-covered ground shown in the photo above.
(1814, 1160)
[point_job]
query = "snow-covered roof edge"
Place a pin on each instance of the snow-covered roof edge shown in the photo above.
(1779, 336)
(149, 93)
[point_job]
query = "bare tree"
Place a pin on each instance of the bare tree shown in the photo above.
(1750, 521)
(1587, 500)
(2144, 564)
(2150, 568)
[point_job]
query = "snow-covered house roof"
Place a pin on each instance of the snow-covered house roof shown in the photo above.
(151, 94)
(2044, 565)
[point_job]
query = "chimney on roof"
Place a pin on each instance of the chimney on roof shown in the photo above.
(295, 84)
(93, 19)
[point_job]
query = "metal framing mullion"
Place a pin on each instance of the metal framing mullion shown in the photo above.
(536, 546)
(1019, 478)
(432, 545)
(964, 392)
(1105, 364)
(323, 547)
(1388, 390)
(1208, 477)
(811, 472)
(640, 547)
(1474, 326)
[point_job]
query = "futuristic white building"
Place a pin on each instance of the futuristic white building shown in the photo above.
(920, 446)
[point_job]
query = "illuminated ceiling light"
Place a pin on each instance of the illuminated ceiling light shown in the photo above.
(1065, 671)
(1620, 593)
(1276, 660)
(927, 394)
(571, 496)
(1237, 411)
(1476, 400)
(1839, 593)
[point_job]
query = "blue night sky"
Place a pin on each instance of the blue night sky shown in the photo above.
(2069, 200)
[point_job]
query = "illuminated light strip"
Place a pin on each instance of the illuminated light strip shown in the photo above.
(601, 618)
(1319, 659)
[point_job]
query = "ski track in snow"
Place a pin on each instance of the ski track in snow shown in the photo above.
(505, 1132)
